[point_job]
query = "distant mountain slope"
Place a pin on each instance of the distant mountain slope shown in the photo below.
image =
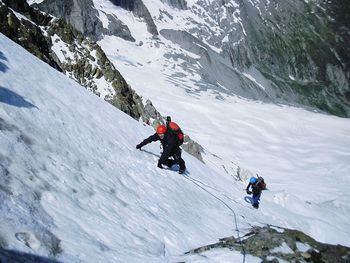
(296, 50)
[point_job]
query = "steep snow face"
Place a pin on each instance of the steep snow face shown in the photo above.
(303, 156)
(73, 185)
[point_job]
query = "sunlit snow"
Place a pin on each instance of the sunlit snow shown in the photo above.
(107, 202)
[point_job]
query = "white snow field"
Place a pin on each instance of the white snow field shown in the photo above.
(303, 155)
(70, 169)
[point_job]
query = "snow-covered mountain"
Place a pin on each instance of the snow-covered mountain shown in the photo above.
(65, 48)
(74, 187)
(293, 52)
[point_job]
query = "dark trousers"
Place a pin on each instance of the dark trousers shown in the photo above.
(179, 161)
(256, 198)
(175, 158)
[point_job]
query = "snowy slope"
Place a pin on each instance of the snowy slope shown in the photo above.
(73, 185)
(304, 155)
(71, 172)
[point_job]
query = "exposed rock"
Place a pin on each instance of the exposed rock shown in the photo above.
(214, 68)
(151, 112)
(306, 256)
(139, 9)
(180, 4)
(79, 13)
(34, 15)
(84, 17)
(118, 28)
(81, 68)
(267, 241)
(298, 47)
(25, 33)
(98, 73)
(193, 148)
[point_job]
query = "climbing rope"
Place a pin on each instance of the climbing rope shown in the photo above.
(227, 196)
(198, 183)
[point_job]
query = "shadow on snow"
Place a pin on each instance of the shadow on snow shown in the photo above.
(13, 256)
(3, 67)
(9, 97)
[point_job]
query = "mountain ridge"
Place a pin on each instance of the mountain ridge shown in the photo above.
(296, 47)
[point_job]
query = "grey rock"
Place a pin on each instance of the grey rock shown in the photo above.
(298, 48)
(98, 73)
(118, 28)
(193, 148)
(24, 32)
(262, 242)
(180, 4)
(150, 111)
(109, 75)
(139, 9)
(79, 13)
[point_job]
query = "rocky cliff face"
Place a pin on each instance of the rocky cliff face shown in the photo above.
(79, 13)
(180, 4)
(82, 15)
(25, 32)
(298, 45)
(85, 18)
(298, 50)
(138, 8)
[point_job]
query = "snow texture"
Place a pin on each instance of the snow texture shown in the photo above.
(74, 186)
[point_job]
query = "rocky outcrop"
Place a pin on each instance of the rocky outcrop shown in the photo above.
(88, 69)
(82, 15)
(216, 71)
(117, 28)
(180, 4)
(193, 148)
(65, 48)
(138, 8)
(24, 32)
(298, 48)
(273, 244)
(79, 13)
